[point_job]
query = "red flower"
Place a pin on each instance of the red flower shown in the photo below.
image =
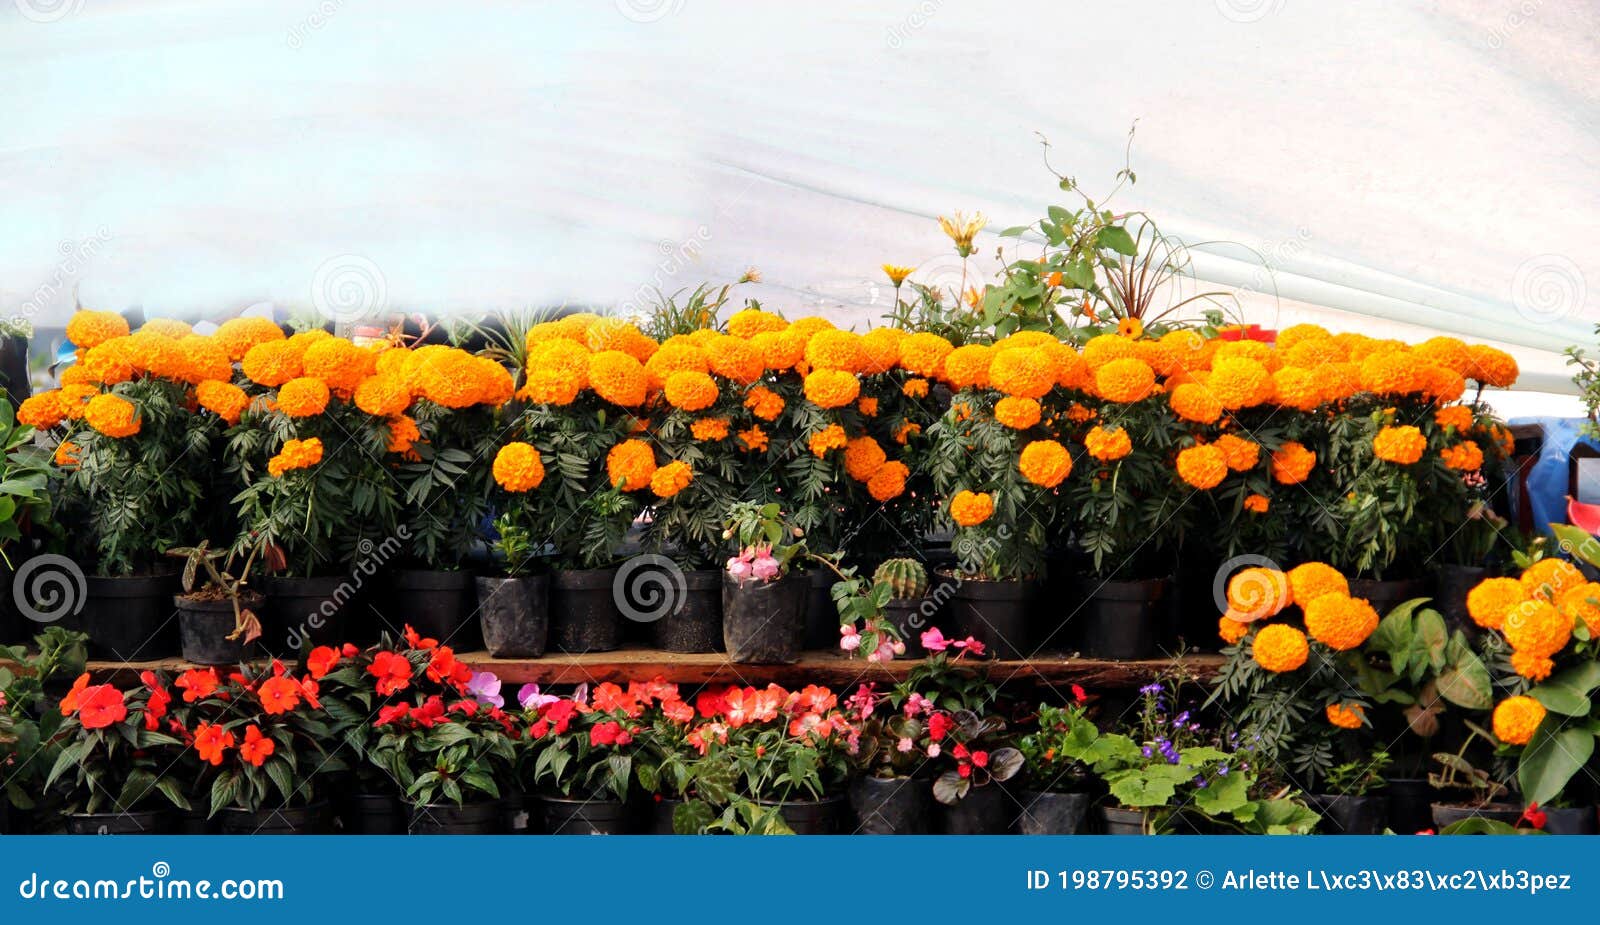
(559, 714)
(981, 759)
(963, 769)
(392, 671)
(155, 706)
(389, 714)
(677, 711)
(1079, 694)
(198, 683)
(444, 669)
(539, 729)
(1534, 816)
(609, 733)
(417, 641)
(710, 703)
(321, 661)
(609, 698)
(349, 650)
(279, 695)
(100, 706)
(431, 712)
(939, 725)
(211, 740)
(256, 746)
(69, 703)
(310, 692)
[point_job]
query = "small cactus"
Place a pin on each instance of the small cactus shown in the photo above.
(906, 578)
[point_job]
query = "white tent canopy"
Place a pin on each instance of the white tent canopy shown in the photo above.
(1395, 163)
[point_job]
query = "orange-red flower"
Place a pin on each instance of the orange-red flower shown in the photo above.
(393, 672)
(256, 748)
(278, 695)
(101, 705)
(212, 741)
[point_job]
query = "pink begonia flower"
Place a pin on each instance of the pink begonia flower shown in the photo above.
(934, 641)
(916, 704)
(905, 744)
(933, 750)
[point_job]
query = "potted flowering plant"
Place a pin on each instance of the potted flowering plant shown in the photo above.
(116, 752)
(582, 762)
(514, 606)
(893, 795)
(28, 721)
(1352, 801)
(24, 501)
(1057, 798)
(764, 599)
(217, 611)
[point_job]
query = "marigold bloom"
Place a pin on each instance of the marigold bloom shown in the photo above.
(754, 439)
(1257, 504)
(630, 465)
(1017, 413)
(833, 349)
(1458, 416)
(342, 365)
(1489, 365)
(905, 431)
(238, 335)
(709, 430)
(881, 349)
(202, 359)
(923, 354)
(42, 411)
(1125, 380)
(1194, 402)
(1401, 445)
(1517, 718)
(1045, 463)
(671, 478)
(1537, 628)
(889, 481)
(1203, 466)
(751, 321)
(88, 329)
(1292, 463)
(403, 434)
(831, 388)
(829, 438)
(1300, 389)
(764, 403)
(1279, 647)
(1231, 630)
(1345, 717)
(1531, 666)
(1463, 457)
(1391, 374)
(734, 359)
(1257, 593)
(271, 363)
(691, 391)
(1108, 444)
(1582, 603)
(1239, 382)
(227, 400)
(112, 415)
(862, 458)
(618, 378)
(1340, 622)
(1241, 454)
(968, 366)
(1311, 580)
(518, 467)
(1023, 373)
(1548, 578)
(383, 395)
(303, 397)
(914, 387)
(296, 454)
(66, 455)
(969, 509)
(1491, 599)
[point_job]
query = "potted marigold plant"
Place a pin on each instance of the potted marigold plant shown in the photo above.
(514, 605)
(113, 765)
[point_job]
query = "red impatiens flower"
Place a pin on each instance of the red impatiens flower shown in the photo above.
(710, 703)
(609, 698)
(197, 683)
(1534, 816)
(559, 715)
(101, 705)
(444, 669)
(1080, 695)
(417, 641)
(609, 733)
(156, 705)
(321, 661)
(677, 711)
(279, 695)
(389, 714)
(310, 692)
(69, 703)
(393, 672)
(211, 740)
(431, 711)
(256, 747)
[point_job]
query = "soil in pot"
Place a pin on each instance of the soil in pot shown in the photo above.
(373, 814)
(1120, 619)
(983, 811)
(763, 622)
(482, 818)
(1045, 813)
(1387, 594)
(139, 822)
(1571, 820)
(299, 820)
(577, 816)
(892, 806)
(1410, 802)
(1451, 584)
(811, 817)
(1351, 815)
(129, 619)
(1450, 813)
(437, 603)
(515, 615)
(205, 622)
(583, 610)
(695, 623)
(305, 612)
(998, 614)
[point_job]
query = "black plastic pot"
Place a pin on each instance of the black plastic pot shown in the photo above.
(661, 816)
(1120, 619)
(811, 817)
(1451, 584)
(437, 603)
(892, 806)
(1046, 813)
(576, 816)
(517, 814)
(373, 814)
(305, 612)
(912, 619)
(998, 614)
(515, 615)
(763, 622)
(205, 625)
(299, 820)
(1351, 815)
(983, 811)
(1571, 820)
(449, 819)
(583, 610)
(141, 822)
(129, 618)
(695, 625)
(14, 369)
(1449, 813)
(822, 614)
(1410, 804)
(1118, 821)
(1386, 595)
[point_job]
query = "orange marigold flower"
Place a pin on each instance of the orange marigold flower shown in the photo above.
(1465, 457)
(1311, 580)
(968, 366)
(1517, 718)
(1072, 371)
(1126, 380)
(764, 403)
(969, 509)
(832, 349)
(1194, 402)
(1241, 454)
(227, 400)
(868, 406)
(831, 388)
(1531, 666)
(1257, 504)
(1582, 603)
(1108, 444)
(342, 365)
(1393, 373)
(88, 329)
(1239, 382)
(915, 387)
(518, 467)
(691, 391)
(1294, 334)
(1297, 388)
(238, 335)
(1458, 416)
(1279, 647)
(1537, 628)
(1016, 413)
(272, 363)
(202, 359)
(1491, 599)
(1441, 384)
(1490, 366)
(675, 356)
(1231, 630)
(1340, 622)
(881, 347)
(1401, 445)
(1547, 579)
(1045, 463)
(296, 454)
(109, 363)
(889, 481)
(403, 434)
(74, 399)
(1292, 463)
(753, 321)
(67, 454)
(1203, 466)
(1257, 593)
(630, 464)
(1345, 717)
(780, 350)
(923, 354)
(112, 415)
(671, 478)
(551, 387)
(734, 359)
(829, 438)
(709, 429)
(618, 378)
(1023, 373)
(754, 439)
(1311, 353)
(155, 354)
(303, 397)
(42, 411)
(383, 395)
(1104, 348)
(906, 431)
(863, 457)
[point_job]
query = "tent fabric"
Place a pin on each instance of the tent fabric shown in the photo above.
(1412, 163)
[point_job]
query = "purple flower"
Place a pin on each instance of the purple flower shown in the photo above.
(484, 687)
(531, 699)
